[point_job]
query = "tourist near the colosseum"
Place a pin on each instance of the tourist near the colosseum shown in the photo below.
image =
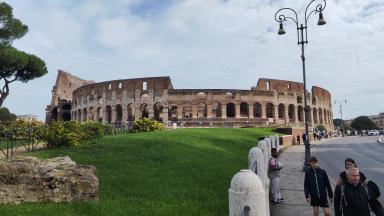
(316, 188)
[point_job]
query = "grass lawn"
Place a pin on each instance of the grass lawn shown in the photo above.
(175, 172)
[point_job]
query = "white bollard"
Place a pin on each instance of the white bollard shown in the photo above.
(256, 163)
(277, 141)
(246, 195)
(263, 146)
(273, 143)
(269, 144)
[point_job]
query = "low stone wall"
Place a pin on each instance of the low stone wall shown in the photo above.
(286, 140)
(29, 179)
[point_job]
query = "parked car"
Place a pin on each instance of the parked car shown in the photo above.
(381, 132)
(373, 133)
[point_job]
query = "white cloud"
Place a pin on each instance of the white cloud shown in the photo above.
(203, 44)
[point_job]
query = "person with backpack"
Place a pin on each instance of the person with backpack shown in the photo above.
(348, 163)
(316, 188)
(274, 167)
(372, 188)
(352, 197)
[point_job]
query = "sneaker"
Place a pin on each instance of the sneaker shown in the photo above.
(281, 199)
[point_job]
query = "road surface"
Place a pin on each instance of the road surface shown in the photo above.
(366, 151)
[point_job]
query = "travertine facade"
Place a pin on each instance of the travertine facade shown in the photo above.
(270, 102)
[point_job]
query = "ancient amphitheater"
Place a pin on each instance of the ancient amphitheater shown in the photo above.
(118, 102)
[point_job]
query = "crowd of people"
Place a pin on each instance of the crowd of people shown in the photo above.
(353, 194)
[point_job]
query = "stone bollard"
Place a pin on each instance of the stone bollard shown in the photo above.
(263, 146)
(246, 195)
(273, 142)
(269, 144)
(277, 142)
(256, 162)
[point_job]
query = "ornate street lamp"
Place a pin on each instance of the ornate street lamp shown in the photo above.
(302, 39)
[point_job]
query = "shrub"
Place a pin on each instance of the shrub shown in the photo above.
(58, 134)
(95, 130)
(146, 125)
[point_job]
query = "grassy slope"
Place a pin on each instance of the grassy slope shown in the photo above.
(176, 172)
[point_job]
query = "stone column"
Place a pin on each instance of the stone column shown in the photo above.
(237, 111)
(224, 111)
(165, 115)
(124, 109)
(151, 113)
(179, 112)
(276, 113)
(194, 111)
(250, 111)
(263, 110)
(286, 114)
(296, 114)
(105, 115)
(114, 114)
(209, 111)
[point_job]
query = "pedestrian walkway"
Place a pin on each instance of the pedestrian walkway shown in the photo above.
(292, 184)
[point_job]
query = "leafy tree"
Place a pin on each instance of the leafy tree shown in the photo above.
(337, 122)
(363, 123)
(320, 128)
(15, 65)
(6, 116)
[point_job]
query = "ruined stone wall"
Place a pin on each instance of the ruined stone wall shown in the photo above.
(271, 102)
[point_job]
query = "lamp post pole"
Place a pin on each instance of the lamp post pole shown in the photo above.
(341, 114)
(302, 39)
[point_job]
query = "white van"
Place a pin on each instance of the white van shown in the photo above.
(373, 133)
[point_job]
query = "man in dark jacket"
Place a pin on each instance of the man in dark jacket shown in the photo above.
(316, 188)
(351, 198)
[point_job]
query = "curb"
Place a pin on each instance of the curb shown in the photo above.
(380, 139)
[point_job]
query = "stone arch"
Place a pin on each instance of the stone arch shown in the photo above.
(172, 111)
(315, 117)
(85, 114)
(216, 109)
(79, 115)
(300, 113)
(108, 111)
(321, 116)
(291, 112)
(281, 111)
(144, 110)
(257, 110)
(66, 112)
(308, 114)
(158, 111)
(99, 114)
(54, 114)
(119, 113)
(299, 99)
(325, 116)
(187, 110)
(130, 112)
(244, 109)
(202, 110)
(270, 110)
(231, 110)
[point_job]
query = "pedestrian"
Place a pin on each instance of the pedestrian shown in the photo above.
(304, 136)
(374, 203)
(274, 167)
(298, 139)
(316, 188)
(351, 197)
(348, 163)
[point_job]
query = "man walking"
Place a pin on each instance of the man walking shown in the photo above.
(316, 188)
(274, 167)
(351, 197)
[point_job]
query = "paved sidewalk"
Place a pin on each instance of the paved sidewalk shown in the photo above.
(381, 139)
(292, 184)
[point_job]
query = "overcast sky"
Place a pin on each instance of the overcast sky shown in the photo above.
(203, 44)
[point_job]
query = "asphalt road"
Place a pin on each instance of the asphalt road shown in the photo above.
(366, 151)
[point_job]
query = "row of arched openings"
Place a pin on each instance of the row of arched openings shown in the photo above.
(319, 115)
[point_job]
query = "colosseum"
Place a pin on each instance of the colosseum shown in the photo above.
(119, 102)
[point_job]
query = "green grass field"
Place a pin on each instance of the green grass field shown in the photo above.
(175, 172)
